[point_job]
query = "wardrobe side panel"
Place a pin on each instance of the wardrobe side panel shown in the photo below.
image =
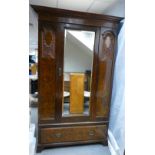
(47, 71)
(105, 72)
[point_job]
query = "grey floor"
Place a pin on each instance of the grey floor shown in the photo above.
(94, 149)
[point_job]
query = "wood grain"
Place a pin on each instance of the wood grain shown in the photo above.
(71, 134)
(106, 59)
(47, 78)
(76, 93)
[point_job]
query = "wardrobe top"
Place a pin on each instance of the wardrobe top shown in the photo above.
(75, 14)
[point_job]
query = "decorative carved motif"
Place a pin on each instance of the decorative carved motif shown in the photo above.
(107, 41)
(48, 45)
(108, 45)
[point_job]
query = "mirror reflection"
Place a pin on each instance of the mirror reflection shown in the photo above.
(78, 63)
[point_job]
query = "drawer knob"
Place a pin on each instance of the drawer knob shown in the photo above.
(91, 133)
(57, 135)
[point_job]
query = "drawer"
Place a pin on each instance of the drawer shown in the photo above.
(71, 134)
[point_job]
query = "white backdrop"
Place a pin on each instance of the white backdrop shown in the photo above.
(117, 111)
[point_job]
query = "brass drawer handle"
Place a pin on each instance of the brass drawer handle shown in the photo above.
(91, 133)
(57, 135)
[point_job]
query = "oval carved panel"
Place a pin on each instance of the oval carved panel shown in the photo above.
(108, 45)
(48, 43)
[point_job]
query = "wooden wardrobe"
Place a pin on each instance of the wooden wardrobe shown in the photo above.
(54, 128)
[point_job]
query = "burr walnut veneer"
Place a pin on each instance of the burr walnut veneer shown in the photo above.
(54, 129)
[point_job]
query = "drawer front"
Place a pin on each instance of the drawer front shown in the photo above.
(71, 134)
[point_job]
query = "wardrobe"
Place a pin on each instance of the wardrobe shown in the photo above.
(76, 57)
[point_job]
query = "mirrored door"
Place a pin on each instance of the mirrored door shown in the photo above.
(77, 75)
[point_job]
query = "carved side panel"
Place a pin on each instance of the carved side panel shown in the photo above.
(106, 58)
(47, 72)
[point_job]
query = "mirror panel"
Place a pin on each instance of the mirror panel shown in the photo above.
(77, 76)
